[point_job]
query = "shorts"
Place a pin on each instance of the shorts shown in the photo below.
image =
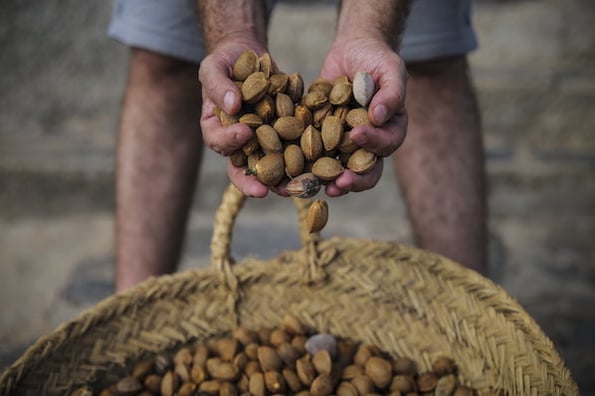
(435, 28)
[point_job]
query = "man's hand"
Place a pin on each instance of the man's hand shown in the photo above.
(368, 33)
(386, 109)
(229, 28)
(219, 90)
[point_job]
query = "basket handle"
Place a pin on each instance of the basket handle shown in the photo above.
(225, 216)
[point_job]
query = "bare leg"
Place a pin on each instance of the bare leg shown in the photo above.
(159, 152)
(441, 163)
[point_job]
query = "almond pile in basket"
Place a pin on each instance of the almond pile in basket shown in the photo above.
(301, 137)
(287, 360)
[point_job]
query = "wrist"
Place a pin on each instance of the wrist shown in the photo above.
(236, 43)
(233, 21)
(381, 21)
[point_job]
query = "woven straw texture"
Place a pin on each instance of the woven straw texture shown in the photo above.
(407, 301)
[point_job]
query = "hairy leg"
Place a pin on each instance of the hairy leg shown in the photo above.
(159, 152)
(441, 162)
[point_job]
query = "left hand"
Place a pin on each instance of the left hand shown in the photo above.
(386, 110)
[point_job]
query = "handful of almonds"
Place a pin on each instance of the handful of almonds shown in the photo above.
(300, 136)
(286, 360)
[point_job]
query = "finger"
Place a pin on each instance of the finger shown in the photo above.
(281, 188)
(214, 74)
(223, 140)
(247, 184)
(349, 181)
(390, 97)
(384, 140)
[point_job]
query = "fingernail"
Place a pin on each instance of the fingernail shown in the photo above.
(228, 101)
(380, 114)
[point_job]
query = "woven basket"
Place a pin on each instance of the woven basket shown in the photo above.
(407, 301)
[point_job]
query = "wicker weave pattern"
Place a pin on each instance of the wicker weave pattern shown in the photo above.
(408, 301)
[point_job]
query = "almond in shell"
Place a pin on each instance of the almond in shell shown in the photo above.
(269, 170)
(321, 85)
(274, 382)
(363, 88)
(340, 80)
(295, 87)
(327, 168)
(246, 64)
(304, 368)
(251, 146)
(251, 119)
(289, 127)
(268, 139)
(315, 100)
(305, 185)
(320, 114)
(226, 119)
(269, 359)
(304, 114)
(254, 158)
(266, 64)
(341, 94)
(331, 132)
(311, 143)
(128, 385)
(278, 83)
(265, 108)
(256, 384)
(254, 87)
(341, 112)
(357, 117)
(284, 105)
(361, 161)
(322, 385)
(294, 160)
(379, 371)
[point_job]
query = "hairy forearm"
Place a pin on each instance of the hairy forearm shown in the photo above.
(232, 19)
(382, 19)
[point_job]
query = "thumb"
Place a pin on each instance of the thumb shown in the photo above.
(213, 74)
(390, 97)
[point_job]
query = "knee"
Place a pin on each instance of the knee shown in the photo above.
(158, 67)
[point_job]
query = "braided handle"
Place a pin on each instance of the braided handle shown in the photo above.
(225, 216)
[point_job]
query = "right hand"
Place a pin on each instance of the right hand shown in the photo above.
(218, 89)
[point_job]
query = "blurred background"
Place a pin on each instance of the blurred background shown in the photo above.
(61, 83)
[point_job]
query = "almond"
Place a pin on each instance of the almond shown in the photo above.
(266, 64)
(305, 185)
(331, 132)
(315, 100)
(284, 105)
(363, 88)
(311, 143)
(270, 169)
(295, 87)
(265, 108)
(268, 139)
(294, 160)
(254, 87)
(341, 94)
(289, 127)
(278, 83)
(361, 161)
(327, 168)
(245, 65)
(357, 117)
